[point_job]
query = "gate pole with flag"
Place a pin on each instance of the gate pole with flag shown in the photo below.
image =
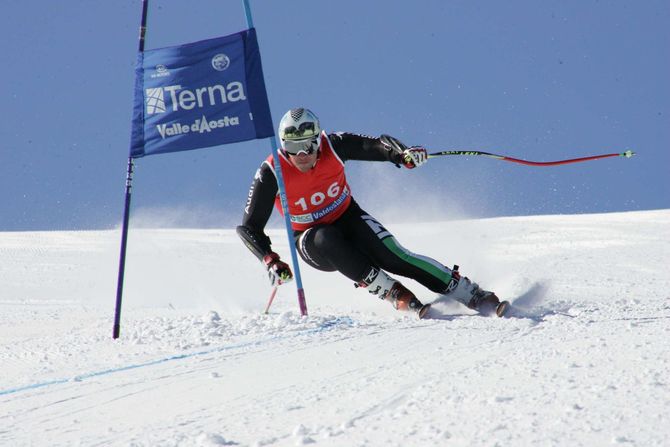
(197, 95)
(284, 203)
(126, 210)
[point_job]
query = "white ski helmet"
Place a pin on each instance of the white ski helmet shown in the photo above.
(299, 131)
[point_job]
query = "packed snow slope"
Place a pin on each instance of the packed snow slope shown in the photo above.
(583, 360)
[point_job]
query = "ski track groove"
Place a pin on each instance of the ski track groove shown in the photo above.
(244, 346)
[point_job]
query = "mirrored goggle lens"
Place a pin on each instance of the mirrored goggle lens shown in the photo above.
(305, 130)
(296, 147)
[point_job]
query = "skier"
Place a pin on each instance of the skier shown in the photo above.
(332, 232)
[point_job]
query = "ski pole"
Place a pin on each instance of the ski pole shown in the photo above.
(626, 154)
(272, 297)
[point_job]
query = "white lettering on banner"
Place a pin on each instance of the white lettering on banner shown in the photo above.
(185, 99)
(200, 125)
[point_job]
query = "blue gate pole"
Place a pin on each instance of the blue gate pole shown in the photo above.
(282, 195)
(126, 210)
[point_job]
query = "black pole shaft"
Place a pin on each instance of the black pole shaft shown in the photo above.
(143, 25)
(126, 210)
(122, 256)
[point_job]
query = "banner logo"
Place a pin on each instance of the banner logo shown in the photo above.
(160, 71)
(220, 62)
(155, 101)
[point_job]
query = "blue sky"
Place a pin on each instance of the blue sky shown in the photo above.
(537, 80)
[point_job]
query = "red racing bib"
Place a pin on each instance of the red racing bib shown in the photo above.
(317, 196)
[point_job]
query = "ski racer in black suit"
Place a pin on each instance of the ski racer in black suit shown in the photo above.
(332, 232)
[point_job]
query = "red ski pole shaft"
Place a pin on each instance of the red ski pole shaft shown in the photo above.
(626, 154)
(272, 297)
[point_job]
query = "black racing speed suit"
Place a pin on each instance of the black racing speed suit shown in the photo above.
(355, 243)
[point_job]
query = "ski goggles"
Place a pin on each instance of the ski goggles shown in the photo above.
(305, 130)
(304, 146)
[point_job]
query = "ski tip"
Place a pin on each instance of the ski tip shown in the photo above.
(423, 311)
(502, 308)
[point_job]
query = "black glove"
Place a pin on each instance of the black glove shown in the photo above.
(278, 271)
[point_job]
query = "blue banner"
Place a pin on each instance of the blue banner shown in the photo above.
(201, 94)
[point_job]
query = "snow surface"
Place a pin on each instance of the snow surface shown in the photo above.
(582, 361)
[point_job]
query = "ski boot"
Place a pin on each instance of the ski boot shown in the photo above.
(402, 299)
(379, 283)
(469, 293)
(487, 302)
